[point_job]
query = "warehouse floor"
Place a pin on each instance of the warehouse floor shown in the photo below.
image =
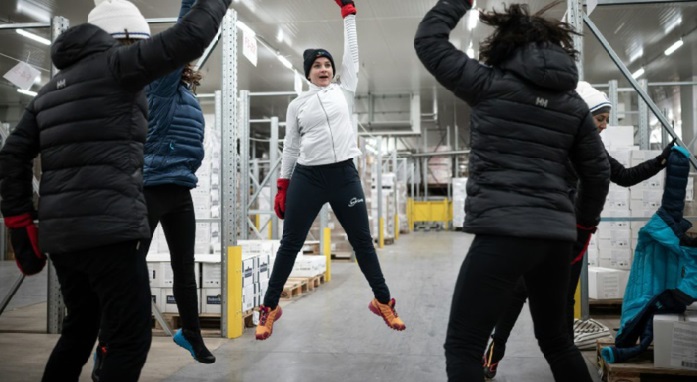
(326, 335)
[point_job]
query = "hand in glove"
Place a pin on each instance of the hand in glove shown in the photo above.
(24, 237)
(673, 301)
(279, 204)
(468, 4)
(663, 158)
(347, 7)
(583, 238)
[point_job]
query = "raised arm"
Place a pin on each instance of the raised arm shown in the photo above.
(349, 63)
(139, 64)
(167, 86)
(451, 67)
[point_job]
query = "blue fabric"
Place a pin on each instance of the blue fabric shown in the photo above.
(174, 146)
(664, 259)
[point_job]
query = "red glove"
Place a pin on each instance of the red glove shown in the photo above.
(24, 237)
(279, 204)
(347, 7)
(583, 238)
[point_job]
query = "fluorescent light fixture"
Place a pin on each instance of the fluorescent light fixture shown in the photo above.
(27, 92)
(34, 37)
(279, 35)
(245, 28)
(673, 47)
(472, 19)
(470, 51)
(285, 62)
(638, 73)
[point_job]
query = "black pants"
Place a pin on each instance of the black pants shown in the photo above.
(520, 294)
(310, 188)
(483, 291)
(107, 292)
(171, 206)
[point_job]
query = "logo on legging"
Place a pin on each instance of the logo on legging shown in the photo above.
(354, 201)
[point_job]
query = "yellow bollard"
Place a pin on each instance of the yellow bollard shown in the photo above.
(270, 229)
(235, 321)
(410, 214)
(396, 227)
(328, 253)
(381, 232)
(577, 301)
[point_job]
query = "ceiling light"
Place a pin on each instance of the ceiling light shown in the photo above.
(673, 47)
(34, 37)
(473, 19)
(27, 92)
(638, 73)
(285, 62)
(279, 35)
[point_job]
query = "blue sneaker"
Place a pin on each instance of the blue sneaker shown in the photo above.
(193, 342)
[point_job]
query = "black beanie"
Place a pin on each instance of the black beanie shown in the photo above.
(309, 57)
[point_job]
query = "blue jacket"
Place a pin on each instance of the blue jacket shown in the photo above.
(174, 146)
(663, 277)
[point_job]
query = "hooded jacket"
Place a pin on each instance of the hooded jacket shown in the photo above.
(527, 123)
(174, 146)
(89, 124)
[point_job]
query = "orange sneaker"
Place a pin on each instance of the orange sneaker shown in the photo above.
(387, 312)
(266, 319)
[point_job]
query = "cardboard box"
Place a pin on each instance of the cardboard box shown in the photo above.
(168, 301)
(211, 275)
(248, 297)
(605, 283)
(675, 340)
(211, 300)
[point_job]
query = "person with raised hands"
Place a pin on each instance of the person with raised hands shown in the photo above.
(317, 168)
(89, 124)
(527, 125)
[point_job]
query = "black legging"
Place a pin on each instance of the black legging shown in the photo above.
(520, 294)
(483, 292)
(171, 205)
(310, 188)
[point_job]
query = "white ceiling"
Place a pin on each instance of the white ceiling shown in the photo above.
(386, 29)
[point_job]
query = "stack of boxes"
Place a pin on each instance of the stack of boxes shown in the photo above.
(459, 196)
(440, 169)
(388, 205)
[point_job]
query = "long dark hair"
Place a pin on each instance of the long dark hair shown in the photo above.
(191, 77)
(515, 27)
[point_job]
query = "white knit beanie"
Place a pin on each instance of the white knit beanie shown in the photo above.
(119, 18)
(595, 99)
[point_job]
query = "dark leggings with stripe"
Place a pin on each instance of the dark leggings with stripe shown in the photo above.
(310, 188)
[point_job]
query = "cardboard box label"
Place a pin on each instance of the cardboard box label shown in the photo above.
(684, 352)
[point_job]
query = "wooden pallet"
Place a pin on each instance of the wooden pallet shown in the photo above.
(611, 306)
(297, 286)
(641, 369)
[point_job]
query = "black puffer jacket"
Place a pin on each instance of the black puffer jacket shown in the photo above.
(89, 124)
(527, 124)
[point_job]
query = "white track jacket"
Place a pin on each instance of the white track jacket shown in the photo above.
(318, 123)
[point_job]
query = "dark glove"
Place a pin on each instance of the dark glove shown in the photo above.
(583, 237)
(347, 7)
(24, 237)
(468, 4)
(663, 158)
(279, 204)
(673, 301)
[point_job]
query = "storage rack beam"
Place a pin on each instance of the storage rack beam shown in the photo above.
(230, 174)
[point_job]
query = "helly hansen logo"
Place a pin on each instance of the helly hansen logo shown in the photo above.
(541, 102)
(60, 84)
(354, 201)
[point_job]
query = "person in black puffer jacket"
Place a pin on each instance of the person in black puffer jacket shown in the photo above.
(599, 106)
(89, 125)
(527, 123)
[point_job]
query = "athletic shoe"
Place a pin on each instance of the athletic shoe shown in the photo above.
(267, 317)
(387, 312)
(192, 341)
(493, 355)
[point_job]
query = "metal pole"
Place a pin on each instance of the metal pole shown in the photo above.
(230, 176)
(644, 131)
(378, 177)
(244, 162)
(273, 175)
(55, 306)
(614, 100)
(637, 87)
(574, 16)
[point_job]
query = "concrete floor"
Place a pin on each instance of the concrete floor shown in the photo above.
(327, 335)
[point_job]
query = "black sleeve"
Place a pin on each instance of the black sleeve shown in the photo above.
(627, 177)
(451, 67)
(17, 166)
(590, 160)
(139, 64)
